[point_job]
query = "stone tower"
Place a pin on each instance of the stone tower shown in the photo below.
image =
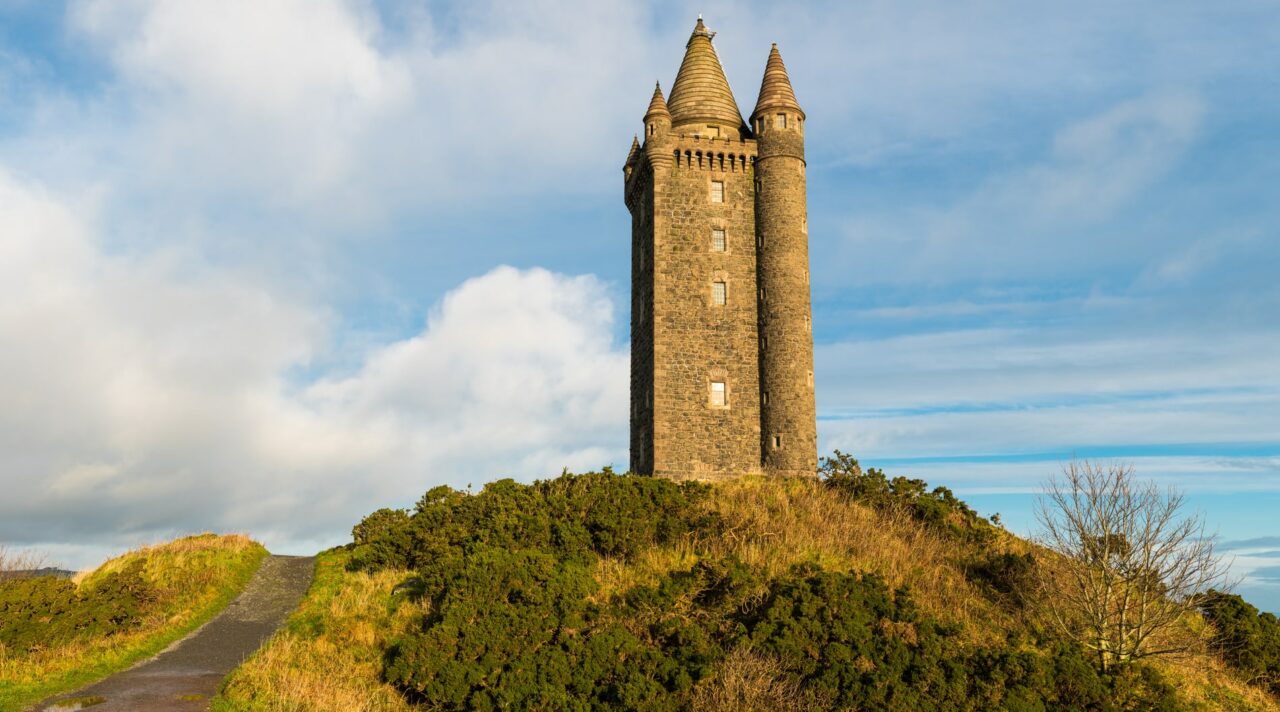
(721, 337)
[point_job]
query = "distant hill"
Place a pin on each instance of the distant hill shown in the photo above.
(46, 571)
(604, 591)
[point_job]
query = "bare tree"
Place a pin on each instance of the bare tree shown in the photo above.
(14, 564)
(1133, 562)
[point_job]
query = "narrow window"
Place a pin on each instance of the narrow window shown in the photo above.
(781, 121)
(717, 240)
(718, 393)
(764, 343)
(717, 191)
(777, 441)
(762, 295)
(719, 292)
(765, 397)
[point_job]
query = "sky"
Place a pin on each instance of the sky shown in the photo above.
(269, 266)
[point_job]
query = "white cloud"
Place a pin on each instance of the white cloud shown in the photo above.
(146, 395)
(1042, 221)
(341, 118)
(987, 391)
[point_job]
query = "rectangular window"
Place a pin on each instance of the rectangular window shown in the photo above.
(718, 393)
(717, 240)
(781, 121)
(717, 191)
(777, 441)
(719, 293)
(766, 397)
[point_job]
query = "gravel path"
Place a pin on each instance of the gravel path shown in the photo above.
(187, 674)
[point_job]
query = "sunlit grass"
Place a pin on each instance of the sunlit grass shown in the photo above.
(329, 655)
(195, 578)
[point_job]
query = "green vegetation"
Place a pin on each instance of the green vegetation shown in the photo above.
(1247, 640)
(56, 635)
(601, 591)
(329, 655)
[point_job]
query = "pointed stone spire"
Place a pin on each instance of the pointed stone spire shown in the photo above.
(701, 92)
(657, 105)
(775, 89)
(635, 148)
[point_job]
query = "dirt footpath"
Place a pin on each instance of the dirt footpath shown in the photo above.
(187, 674)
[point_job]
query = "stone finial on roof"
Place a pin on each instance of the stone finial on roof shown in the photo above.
(775, 89)
(701, 92)
(657, 105)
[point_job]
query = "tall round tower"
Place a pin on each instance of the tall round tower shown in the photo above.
(788, 423)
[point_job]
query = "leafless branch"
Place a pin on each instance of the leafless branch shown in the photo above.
(1132, 562)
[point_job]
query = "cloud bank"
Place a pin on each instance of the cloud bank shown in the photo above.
(151, 395)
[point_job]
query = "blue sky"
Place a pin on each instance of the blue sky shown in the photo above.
(268, 266)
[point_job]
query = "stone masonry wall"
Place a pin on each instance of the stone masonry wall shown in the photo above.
(640, 200)
(696, 342)
(788, 422)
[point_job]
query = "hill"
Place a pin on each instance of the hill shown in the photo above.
(602, 591)
(57, 634)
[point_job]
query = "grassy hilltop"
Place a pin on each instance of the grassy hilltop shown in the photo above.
(57, 634)
(605, 591)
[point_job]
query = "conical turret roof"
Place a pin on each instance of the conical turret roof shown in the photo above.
(701, 92)
(775, 89)
(635, 148)
(657, 105)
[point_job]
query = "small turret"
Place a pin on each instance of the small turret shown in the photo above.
(657, 119)
(777, 112)
(775, 88)
(629, 165)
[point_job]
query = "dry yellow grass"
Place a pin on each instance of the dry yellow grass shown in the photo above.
(1204, 680)
(329, 656)
(195, 576)
(774, 524)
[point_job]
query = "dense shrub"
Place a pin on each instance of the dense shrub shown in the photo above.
(1007, 577)
(1247, 640)
(44, 611)
(938, 508)
(514, 618)
(576, 516)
